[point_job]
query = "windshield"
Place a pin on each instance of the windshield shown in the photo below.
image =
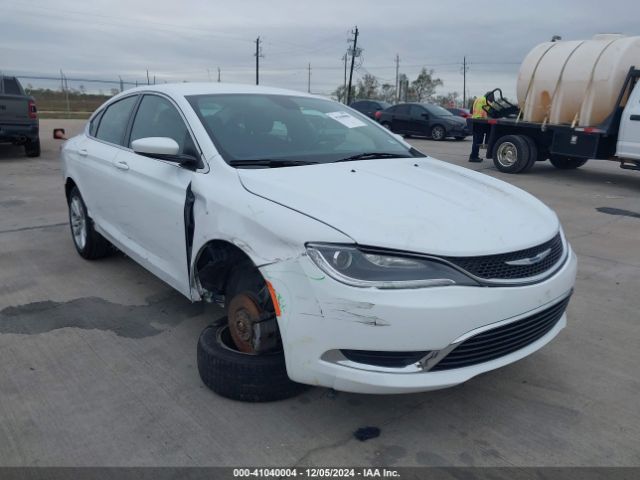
(438, 110)
(256, 127)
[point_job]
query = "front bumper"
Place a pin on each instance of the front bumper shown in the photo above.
(458, 131)
(320, 316)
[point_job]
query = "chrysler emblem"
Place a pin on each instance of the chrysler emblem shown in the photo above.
(531, 260)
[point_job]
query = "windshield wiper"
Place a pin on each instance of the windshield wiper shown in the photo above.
(371, 155)
(269, 162)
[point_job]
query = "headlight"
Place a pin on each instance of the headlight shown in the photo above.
(348, 264)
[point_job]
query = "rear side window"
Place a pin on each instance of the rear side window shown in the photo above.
(11, 86)
(157, 117)
(114, 121)
(93, 126)
(402, 110)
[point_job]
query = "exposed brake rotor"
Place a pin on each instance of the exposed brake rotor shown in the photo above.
(253, 329)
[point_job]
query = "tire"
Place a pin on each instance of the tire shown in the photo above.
(89, 243)
(511, 153)
(533, 154)
(567, 163)
(242, 376)
(32, 148)
(386, 125)
(438, 133)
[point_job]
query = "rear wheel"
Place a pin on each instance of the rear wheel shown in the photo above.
(386, 125)
(567, 163)
(242, 357)
(511, 153)
(32, 148)
(533, 154)
(89, 243)
(438, 133)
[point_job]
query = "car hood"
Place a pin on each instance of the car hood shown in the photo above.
(418, 205)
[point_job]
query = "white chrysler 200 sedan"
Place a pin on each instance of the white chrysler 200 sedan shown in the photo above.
(343, 256)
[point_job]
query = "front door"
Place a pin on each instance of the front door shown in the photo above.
(419, 121)
(150, 203)
(629, 132)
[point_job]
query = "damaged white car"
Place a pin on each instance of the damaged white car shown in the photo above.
(344, 257)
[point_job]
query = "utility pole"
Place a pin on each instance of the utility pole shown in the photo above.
(309, 80)
(464, 82)
(397, 78)
(209, 74)
(258, 54)
(345, 58)
(353, 58)
(148, 82)
(218, 74)
(121, 84)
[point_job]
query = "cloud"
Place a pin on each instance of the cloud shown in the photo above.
(189, 40)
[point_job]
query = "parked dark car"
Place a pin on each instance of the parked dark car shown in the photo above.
(18, 117)
(370, 107)
(460, 112)
(424, 120)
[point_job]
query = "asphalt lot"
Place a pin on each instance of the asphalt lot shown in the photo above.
(97, 359)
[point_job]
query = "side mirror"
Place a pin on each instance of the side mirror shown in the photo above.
(155, 146)
(398, 137)
(59, 134)
(163, 148)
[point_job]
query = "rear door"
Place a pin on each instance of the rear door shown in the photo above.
(93, 158)
(150, 203)
(629, 133)
(400, 122)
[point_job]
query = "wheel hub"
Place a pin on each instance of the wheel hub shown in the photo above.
(507, 154)
(244, 313)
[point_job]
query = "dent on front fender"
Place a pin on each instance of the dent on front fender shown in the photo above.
(268, 233)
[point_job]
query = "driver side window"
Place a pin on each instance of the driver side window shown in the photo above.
(418, 112)
(157, 117)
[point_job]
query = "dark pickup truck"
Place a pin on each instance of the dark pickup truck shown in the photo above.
(18, 117)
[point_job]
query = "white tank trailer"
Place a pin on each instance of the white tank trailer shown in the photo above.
(577, 100)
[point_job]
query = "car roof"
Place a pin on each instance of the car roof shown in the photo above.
(204, 88)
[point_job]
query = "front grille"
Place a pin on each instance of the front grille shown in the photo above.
(504, 340)
(494, 267)
(384, 359)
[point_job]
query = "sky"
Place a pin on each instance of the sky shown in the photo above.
(189, 40)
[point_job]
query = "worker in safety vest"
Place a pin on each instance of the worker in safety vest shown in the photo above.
(478, 112)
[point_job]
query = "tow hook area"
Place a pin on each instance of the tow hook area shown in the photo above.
(252, 329)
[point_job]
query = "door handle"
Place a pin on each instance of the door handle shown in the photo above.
(83, 152)
(122, 165)
(634, 117)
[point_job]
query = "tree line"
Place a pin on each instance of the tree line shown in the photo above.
(422, 89)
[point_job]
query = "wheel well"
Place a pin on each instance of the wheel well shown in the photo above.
(214, 264)
(68, 186)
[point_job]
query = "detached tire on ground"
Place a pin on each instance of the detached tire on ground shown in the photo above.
(242, 376)
(512, 153)
(567, 163)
